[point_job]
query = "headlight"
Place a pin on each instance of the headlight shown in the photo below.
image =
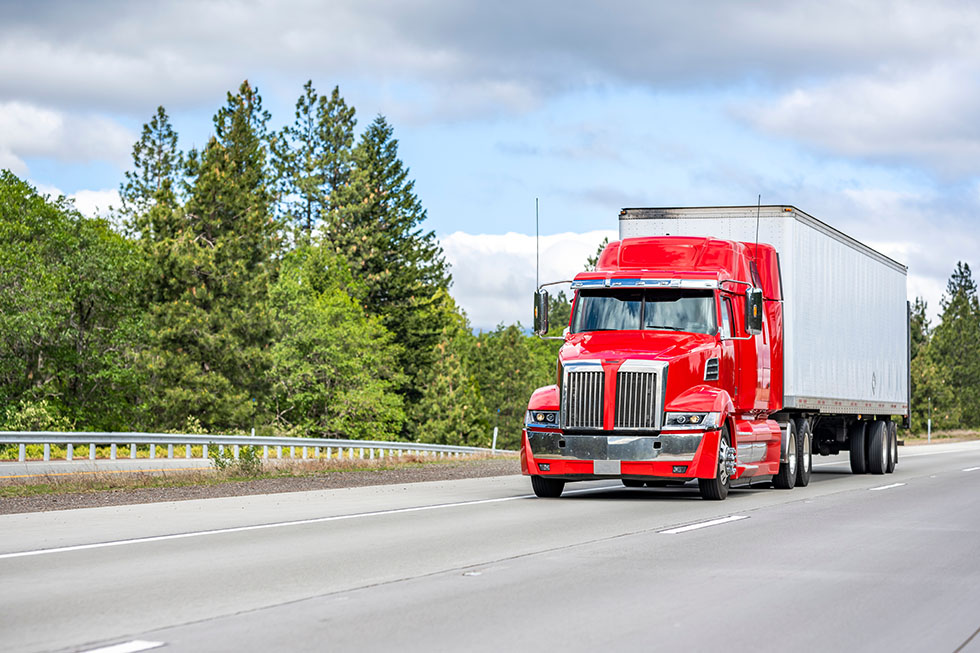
(692, 421)
(541, 418)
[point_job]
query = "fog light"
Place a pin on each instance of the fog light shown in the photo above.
(680, 469)
(546, 467)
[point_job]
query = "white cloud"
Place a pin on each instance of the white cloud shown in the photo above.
(96, 203)
(494, 275)
(922, 116)
(29, 130)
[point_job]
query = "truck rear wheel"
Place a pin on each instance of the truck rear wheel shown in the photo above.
(804, 457)
(855, 434)
(716, 489)
(879, 447)
(893, 445)
(547, 488)
(786, 478)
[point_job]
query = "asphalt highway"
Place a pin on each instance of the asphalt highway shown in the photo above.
(856, 563)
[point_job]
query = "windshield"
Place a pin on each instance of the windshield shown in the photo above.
(668, 310)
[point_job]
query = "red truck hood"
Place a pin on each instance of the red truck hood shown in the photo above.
(650, 345)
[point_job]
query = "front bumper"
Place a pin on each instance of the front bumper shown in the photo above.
(692, 454)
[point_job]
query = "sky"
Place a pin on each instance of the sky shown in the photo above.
(862, 113)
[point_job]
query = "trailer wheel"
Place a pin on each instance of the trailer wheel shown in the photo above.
(893, 445)
(629, 482)
(804, 457)
(859, 458)
(786, 478)
(547, 488)
(716, 489)
(879, 447)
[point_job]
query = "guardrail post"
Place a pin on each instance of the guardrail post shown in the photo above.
(91, 451)
(170, 451)
(265, 452)
(371, 452)
(153, 451)
(235, 451)
(132, 450)
(381, 453)
(112, 451)
(204, 452)
(69, 452)
(329, 452)
(360, 453)
(187, 451)
(292, 452)
(304, 453)
(22, 453)
(350, 453)
(47, 452)
(278, 452)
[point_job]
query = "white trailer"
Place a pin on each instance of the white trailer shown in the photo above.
(845, 307)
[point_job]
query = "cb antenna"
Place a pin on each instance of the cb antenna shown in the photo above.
(537, 248)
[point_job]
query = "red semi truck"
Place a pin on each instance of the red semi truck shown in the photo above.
(723, 343)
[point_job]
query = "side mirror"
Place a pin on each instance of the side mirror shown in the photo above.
(753, 311)
(541, 312)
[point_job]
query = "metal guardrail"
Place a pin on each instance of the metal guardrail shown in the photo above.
(171, 440)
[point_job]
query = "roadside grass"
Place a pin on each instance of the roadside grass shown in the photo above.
(125, 480)
(957, 435)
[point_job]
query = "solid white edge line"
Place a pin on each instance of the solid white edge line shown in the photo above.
(127, 647)
(971, 469)
(297, 522)
(703, 524)
(886, 487)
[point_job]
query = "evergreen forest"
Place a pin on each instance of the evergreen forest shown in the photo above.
(283, 280)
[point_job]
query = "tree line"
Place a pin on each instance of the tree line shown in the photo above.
(274, 279)
(282, 280)
(946, 357)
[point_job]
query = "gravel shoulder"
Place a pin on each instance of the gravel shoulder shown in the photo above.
(444, 471)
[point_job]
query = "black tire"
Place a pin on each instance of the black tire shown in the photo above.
(859, 458)
(716, 489)
(804, 456)
(878, 447)
(893, 446)
(785, 479)
(629, 482)
(547, 488)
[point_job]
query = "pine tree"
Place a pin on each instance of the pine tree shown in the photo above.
(313, 157)
(376, 225)
(955, 343)
(450, 409)
(153, 182)
(918, 326)
(212, 322)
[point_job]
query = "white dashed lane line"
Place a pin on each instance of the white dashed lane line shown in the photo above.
(703, 524)
(886, 487)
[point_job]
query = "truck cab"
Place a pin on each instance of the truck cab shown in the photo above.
(670, 370)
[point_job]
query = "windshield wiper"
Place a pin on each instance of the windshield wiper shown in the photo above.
(664, 327)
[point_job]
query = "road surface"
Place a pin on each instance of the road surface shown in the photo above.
(857, 563)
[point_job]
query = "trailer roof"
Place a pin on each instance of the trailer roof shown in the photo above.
(767, 211)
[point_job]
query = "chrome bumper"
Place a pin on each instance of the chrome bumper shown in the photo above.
(666, 446)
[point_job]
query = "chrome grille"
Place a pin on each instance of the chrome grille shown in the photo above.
(636, 400)
(582, 404)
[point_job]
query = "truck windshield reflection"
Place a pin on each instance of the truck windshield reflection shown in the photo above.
(692, 311)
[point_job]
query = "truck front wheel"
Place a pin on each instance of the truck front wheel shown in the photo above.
(716, 489)
(547, 488)
(786, 478)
